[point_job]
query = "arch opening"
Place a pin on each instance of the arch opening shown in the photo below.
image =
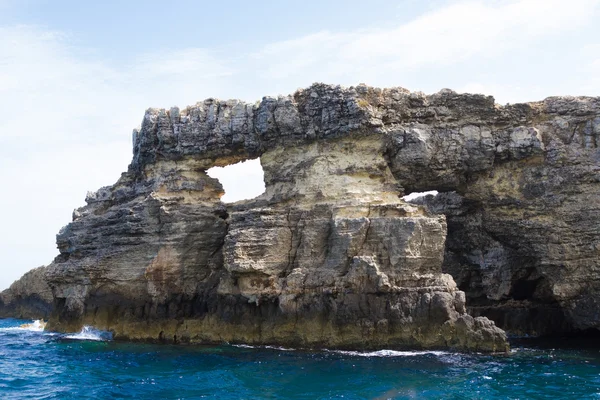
(414, 195)
(241, 181)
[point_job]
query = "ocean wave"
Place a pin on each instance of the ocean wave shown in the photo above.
(37, 325)
(378, 353)
(90, 333)
(389, 353)
(247, 346)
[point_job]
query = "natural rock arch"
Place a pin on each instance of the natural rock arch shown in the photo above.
(241, 181)
(330, 255)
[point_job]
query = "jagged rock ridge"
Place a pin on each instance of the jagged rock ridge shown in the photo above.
(330, 255)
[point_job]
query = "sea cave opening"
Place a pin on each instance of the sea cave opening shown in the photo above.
(241, 181)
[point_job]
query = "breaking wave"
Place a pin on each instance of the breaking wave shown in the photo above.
(378, 353)
(247, 346)
(37, 325)
(389, 353)
(90, 333)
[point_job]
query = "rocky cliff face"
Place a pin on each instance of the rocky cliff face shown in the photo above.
(28, 298)
(330, 254)
(523, 210)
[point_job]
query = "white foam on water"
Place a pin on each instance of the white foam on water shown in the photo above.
(12, 329)
(90, 333)
(389, 353)
(37, 325)
(247, 346)
(378, 353)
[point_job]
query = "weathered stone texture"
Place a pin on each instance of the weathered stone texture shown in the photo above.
(330, 254)
(28, 298)
(523, 222)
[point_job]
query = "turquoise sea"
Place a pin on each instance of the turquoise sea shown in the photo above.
(42, 365)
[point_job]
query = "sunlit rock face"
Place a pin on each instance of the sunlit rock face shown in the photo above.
(330, 255)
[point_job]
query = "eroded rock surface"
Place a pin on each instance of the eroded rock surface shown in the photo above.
(330, 254)
(30, 297)
(523, 210)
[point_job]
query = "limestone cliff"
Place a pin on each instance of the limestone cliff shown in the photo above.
(28, 298)
(330, 254)
(523, 225)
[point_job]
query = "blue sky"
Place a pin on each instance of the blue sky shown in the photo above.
(76, 76)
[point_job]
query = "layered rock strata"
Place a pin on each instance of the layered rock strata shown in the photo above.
(523, 209)
(330, 255)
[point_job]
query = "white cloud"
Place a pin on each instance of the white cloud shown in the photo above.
(181, 62)
(590, 70)
(506, 93)
(44, 89)
(178, 77)
(450, 35)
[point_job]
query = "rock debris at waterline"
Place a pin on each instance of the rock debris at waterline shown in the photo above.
(330, 255)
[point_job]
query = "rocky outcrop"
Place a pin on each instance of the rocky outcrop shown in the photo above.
(330, 255)
(28, 298)
(522, 209)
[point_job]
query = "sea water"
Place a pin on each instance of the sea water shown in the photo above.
(42, 365)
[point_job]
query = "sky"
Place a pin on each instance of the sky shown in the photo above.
(77, 76)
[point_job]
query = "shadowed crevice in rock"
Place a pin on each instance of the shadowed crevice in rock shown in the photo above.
(501, 281)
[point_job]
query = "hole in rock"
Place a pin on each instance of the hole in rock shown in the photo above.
(524, 289)
(414, 195)
(241, 181)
